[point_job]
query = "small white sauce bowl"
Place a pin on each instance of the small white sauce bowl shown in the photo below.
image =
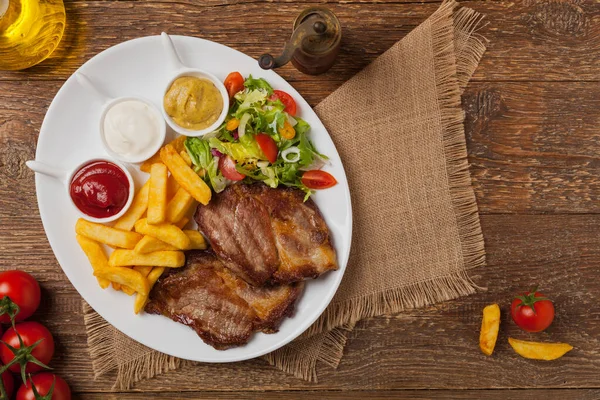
(67, 176)
(150, 151)
(181, 70)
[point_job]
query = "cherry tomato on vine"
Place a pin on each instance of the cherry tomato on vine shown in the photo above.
(30, 332)
(23, 290)
(234, 83)
(9, 383)
(286, 99)
(532, 311)
(43, 383)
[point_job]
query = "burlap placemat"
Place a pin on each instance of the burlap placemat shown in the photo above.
(398, 127)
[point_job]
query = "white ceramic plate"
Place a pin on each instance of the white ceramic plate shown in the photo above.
(69, 135)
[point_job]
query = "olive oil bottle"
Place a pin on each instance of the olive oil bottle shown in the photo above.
(30, 30)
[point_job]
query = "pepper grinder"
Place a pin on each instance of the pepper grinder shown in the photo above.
(314, 44)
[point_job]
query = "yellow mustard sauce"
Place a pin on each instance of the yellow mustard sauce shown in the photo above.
(193, 103)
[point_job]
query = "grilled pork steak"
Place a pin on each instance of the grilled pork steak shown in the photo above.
(222, 309)
(267, 235)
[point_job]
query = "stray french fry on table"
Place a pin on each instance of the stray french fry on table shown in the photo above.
(123, 258)
(490, 326)
(157, 195)
(184, 175)
(107, 235)
(95, 253)
(168, 233)
(141, 299)
(125, 277)
(136, 210)
(538, 350)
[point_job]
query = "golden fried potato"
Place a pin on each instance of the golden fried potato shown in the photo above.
(539, 351)
(168, 233)
(127, 290)
(136, 210)
(489, 329)
(125, 277)
(197, 241)
(148, 244)
(172, 187)
(186, 157)
(170, 259)
(95, 253)
(157, 195)
(141, 299)
(178, 144)
(144, 270)
(116, 286)
(107, 235)
(184, 175)
(179, 205)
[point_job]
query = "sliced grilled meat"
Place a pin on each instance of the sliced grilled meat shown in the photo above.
(222, 309)
(267, 235)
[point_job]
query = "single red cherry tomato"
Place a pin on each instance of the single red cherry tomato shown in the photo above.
(532, 311)
(9, 383)
(23, 290)
(234, 83)
(286, 99)
(317, 179)
(268, 146)
(227, 167)
(43, 383)
(30, 332)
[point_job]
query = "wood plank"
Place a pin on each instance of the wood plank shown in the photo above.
(569, 394)
(413, 350)
(533, 147)
(533, 40)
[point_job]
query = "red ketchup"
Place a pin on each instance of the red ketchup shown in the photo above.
(100, 189)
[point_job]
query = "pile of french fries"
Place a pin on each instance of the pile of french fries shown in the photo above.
(150, 236)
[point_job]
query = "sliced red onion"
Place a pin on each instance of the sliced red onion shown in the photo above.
(235, 135)
(216, 153)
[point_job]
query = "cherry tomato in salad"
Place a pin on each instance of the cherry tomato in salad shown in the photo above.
(30, 332)
(43, 383)
(317, 179)
(23, 290)
(286, 99)
(234, 83)
(268, 146)
(9, 383)
(227, 167)
(532, 311)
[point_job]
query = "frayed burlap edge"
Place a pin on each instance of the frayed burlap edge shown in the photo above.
(303, 364)
(456, 284)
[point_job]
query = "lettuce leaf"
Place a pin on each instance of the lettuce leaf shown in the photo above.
(258, 83)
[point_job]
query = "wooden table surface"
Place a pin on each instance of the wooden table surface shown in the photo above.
(533, 133)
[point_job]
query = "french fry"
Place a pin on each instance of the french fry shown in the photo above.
(116, 286)
(168, 233)
(178, 144)
(170, 259)
(172, 187)
(148, 244)
(489, 329)
(127, 290)
(186, 157)
(125, 277)
(107, 235)
(96, 256)
(184, 175)
(141, 299)
(144, 270)
(179, 205)
(136, 210)
(182, 222)
(157, 194)
(197, 241)
(539, 351)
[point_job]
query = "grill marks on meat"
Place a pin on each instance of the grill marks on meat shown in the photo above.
(222, 309)
(240, 234)
(267, 235)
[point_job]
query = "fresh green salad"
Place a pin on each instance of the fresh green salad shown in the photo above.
(262, 139)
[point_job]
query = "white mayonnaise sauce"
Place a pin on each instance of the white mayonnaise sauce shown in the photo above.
(132, 129)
